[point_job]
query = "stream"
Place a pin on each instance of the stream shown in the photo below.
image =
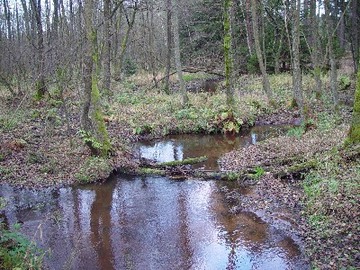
(148, 222)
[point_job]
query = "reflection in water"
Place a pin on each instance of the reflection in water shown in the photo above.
(100, 224)
(148, 223)
(178, 147)
(153, 222)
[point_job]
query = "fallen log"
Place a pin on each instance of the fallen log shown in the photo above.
(187, 161)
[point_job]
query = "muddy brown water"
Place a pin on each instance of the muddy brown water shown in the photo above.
(136, 222)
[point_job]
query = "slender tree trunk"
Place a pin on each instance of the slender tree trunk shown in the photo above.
(55, 20)
(249, 27)
(40, 84)
(234, 40)
(354, 133)
(71, 11)
(153, 64)
(228, 55)
(278, 48)
(341, 29)
(265, 79)
(286, 24)
(297, 80)
(96, 136)
(333, 70)
(107, 48)
(175, 24)
(124, 42)
(88, 67)
(354, 33)
(7, 14)
(315, 48)
(168, 44)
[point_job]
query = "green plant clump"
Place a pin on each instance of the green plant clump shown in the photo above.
(296, 132)
(259, 171)
(18, 252)
(227, 122)
(345, 82)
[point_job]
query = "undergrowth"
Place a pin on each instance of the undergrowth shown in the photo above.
(16, 250)
(161, 114)
(331, 207)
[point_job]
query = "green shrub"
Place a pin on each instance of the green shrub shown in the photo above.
(18, 252)
(129, 67)
(252, 65)
(345, 82)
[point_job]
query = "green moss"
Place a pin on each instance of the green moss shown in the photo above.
(151, 171)
(186, 161)
(101, 131)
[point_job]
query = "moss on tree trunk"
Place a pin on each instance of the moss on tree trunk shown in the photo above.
(95, 135)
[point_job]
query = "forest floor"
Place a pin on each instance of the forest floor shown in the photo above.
(40, 147)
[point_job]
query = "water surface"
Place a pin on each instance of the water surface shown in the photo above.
(146, 222)
(178, 147)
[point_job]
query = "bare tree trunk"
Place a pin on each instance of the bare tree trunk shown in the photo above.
(153, 46)
(277, 54)
(88, 67)
(168, 41)
(248, 27)
(107, 47)
(234, 21)
(286, 24)
(333, 70)
(7, 14)
(315, 49)
(297, 80)
(124, 42)
(228, 55)
(354, 33)
(55, 20)
(341, 29)
(175, 24)
(265, 79)
(40, 84)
